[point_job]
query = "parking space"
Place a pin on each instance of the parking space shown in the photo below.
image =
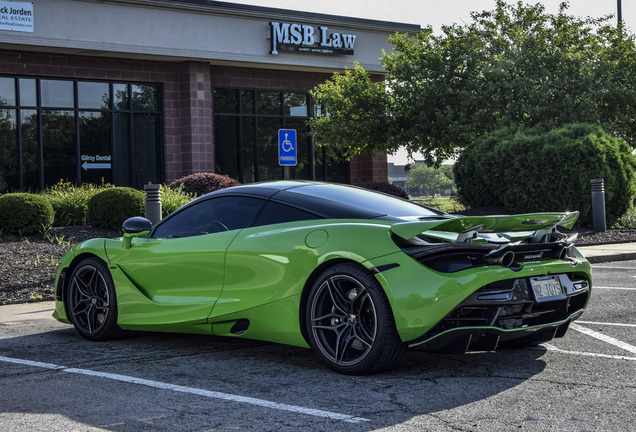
(51, 379)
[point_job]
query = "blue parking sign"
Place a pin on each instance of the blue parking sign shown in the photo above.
(287, 147)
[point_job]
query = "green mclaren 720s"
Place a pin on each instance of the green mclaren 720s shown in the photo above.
(357, 276)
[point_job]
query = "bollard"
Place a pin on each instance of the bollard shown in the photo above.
(153, 202)
(598, 204)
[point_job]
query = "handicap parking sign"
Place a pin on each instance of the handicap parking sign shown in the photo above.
(287, 147)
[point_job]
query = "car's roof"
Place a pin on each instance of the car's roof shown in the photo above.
(328, 199)
(264, 189)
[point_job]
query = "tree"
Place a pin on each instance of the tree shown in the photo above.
(434, 180)
(357, 116)
(515, 65)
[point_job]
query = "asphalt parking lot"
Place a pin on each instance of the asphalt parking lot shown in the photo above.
(51, 379)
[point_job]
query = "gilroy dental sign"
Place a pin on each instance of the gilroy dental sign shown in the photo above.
(306, 38)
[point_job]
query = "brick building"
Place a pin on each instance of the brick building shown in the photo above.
(131, 92)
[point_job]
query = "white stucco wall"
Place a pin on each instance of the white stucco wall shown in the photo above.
(168, 30)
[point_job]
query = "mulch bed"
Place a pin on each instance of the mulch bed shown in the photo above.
(28, 264)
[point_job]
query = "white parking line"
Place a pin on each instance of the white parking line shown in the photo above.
(612, 268)
(616, 288)
(604, 338)
(195, 391)
(587, 354)
(606, 323)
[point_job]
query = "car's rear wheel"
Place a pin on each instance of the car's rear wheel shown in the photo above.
(91, 301)
(350, 323)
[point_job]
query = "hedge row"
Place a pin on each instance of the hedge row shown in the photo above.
(542, 169)
(103, 206)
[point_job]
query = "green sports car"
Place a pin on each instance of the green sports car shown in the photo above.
(356, 275)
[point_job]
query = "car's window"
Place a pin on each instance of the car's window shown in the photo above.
(350, 202)
(274, 213)
(211, 216)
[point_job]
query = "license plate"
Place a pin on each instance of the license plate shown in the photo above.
(547, 288)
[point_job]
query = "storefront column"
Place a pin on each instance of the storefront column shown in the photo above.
(369, 168)
(195, 119)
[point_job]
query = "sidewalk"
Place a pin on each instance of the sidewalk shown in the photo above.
(609, 252)
(43, 310)
(35, 311)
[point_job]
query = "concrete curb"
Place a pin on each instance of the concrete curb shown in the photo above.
(595, 259)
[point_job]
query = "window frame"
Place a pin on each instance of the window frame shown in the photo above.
(129, 110)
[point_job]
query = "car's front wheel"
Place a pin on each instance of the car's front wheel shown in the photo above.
(91, 301)
(350, 323)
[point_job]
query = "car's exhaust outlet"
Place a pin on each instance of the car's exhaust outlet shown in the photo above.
(566, 252)
(505, 259)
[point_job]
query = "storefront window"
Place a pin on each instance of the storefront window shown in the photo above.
(247, 101)
(248, 150)
(7, 91)
(93, 95)
(268, 168)
(78, 132)
(268, 103)
(95, 148)
(122, 166)
(29, 138)
(246, 124)
(8, 149)
(147, 130)
(28, 92)
(121, 96)
(225, 146)
(58, 146)
(295, 104)
(144, 98)
(226, 101)
(56, 93)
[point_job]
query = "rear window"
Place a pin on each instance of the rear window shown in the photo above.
(275, 213)
(350, 202)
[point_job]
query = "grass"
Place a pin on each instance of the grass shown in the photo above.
(70, 202)
(448, 205)
(172, 199)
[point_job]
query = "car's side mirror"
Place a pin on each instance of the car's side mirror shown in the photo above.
(135, 227)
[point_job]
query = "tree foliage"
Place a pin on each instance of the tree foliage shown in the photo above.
(435, 180)
(514, 65)
(357, 116)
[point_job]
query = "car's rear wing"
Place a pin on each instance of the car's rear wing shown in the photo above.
(468, 226)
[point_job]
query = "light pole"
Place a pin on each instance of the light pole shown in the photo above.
(619, 13)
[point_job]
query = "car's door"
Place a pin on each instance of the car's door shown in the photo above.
(183, 262)
(266, 262)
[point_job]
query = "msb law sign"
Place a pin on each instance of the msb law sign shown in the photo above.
(309, 39)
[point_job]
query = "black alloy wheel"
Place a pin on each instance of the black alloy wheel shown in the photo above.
(91, 302)
(350, 323)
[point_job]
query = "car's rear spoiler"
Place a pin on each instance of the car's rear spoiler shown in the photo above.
(488, 224)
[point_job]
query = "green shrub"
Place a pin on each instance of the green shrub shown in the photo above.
(173, 198)
(384, 187)
(109, 208)
(202, 183)
(627, 221)
(535, 169)
(70, 202)
(25, 213)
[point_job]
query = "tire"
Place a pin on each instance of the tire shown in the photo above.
(91, 301)
(349, 322)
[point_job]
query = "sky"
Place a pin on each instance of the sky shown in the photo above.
(439, 12)
(442, 12)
